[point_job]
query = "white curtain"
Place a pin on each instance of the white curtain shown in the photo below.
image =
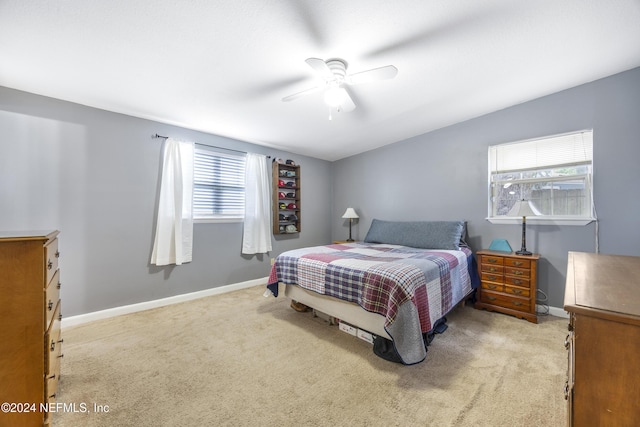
(257, 207)
(174, 229)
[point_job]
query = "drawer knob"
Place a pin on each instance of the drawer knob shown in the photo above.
(49, 265)
(518, 263)
(518, 273)
(490, 298)
(517, 291)
(566, 342)
(491, 286)
(57, 254)
(491, 260)
(50, 305)
(492, 277)
(59, 285)
(517, 303)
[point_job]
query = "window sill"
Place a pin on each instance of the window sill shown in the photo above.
(217, 220)
(532, 220)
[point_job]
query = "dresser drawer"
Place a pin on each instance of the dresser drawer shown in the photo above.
(504, 300)
(51, 297)
(51, 256)
(50, 391)
(53, 342)
(51, 385)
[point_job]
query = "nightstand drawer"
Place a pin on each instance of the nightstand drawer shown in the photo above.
(492, 277)
(519, 263)
(493, 286)
(521, 272)
(521, 292)
(493, 260)
(492, 268)
(507, 301)
(517, 281)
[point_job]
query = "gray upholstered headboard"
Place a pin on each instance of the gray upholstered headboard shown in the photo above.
(418, 234)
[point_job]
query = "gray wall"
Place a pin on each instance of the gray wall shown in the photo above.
(443, 175)
(94, 176)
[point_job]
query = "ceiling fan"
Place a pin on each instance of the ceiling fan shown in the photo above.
(333, 73)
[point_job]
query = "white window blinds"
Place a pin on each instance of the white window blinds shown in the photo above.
(218, 184)
(563, 150)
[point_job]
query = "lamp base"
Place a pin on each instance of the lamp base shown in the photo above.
(523, 252)
(350, 240)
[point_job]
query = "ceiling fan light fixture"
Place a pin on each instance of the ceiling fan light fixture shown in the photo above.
(335, 96)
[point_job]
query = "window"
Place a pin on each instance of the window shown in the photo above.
(218, 185)
(554, 174)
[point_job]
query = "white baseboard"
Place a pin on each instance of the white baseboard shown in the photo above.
(147, 305)
(555, 311)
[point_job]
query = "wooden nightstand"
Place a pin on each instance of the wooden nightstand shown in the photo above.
(508, 283)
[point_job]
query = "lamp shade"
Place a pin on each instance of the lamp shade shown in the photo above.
(350, 214)
(523, 208)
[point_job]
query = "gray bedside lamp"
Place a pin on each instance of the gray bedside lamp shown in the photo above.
(350, 214)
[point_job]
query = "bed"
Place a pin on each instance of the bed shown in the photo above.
(396, 284)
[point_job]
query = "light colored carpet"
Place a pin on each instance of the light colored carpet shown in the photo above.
(240, 359)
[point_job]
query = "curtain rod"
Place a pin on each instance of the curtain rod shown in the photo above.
(206, 145)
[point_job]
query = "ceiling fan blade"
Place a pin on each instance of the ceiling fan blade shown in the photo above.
(320, 67)
(348, 104)
(301, 94)
(382, 73)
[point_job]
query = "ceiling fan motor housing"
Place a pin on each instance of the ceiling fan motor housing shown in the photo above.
(339, 69)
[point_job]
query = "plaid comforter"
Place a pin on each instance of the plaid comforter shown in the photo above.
(411, 287)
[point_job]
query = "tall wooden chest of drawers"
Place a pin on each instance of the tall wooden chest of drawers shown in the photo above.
(508, 283)
(602, 296)
(30, 327)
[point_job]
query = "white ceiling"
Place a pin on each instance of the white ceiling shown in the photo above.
(223, 66)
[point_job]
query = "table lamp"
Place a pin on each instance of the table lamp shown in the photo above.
(350, 214)
(524, 209)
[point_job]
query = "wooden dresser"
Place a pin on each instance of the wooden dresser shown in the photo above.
(602, 296)
(30, 326)
(508, 283)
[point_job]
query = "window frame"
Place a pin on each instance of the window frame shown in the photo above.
(219, 153)
(586, 177)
